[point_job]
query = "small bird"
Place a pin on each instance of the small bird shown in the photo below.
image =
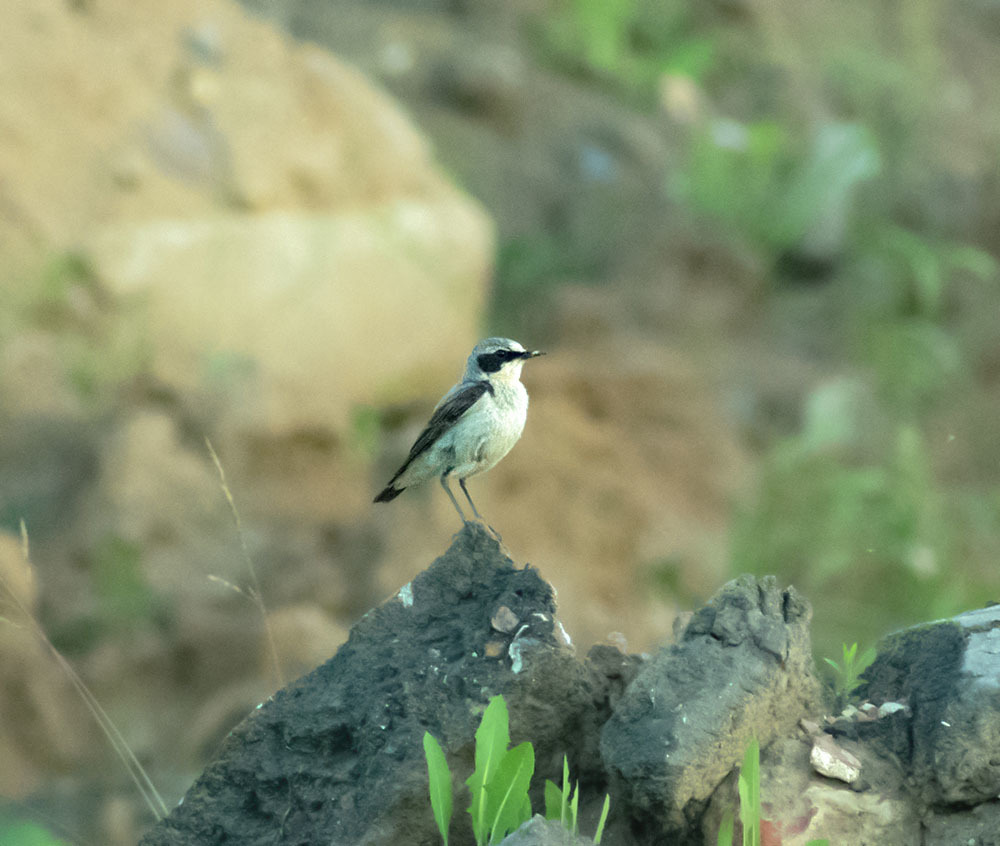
(473, 426)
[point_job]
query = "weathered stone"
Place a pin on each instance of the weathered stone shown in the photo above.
(504, 620)
(979, 826)
(832, 761)
(948, 674)
(539, 831)
(273, 318)
(799, 806)
(742, 669)
(842, 815)
(337, 756)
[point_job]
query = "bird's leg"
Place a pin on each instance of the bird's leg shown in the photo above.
(451, 496)
(465, 490)
(479, 517)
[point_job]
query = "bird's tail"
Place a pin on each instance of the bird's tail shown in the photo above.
(388, 494)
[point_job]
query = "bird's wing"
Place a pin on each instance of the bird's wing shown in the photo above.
(454, 405)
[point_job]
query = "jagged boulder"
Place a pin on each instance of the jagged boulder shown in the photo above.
(337, 757)
(945, 677)
(741, 668)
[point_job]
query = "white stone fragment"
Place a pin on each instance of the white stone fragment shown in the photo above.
(829, 759)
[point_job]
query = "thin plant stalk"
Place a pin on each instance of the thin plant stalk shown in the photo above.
(136, 771)
(255, 593)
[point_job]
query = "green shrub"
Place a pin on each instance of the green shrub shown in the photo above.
(754, 181)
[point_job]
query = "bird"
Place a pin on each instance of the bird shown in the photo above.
(473, 426)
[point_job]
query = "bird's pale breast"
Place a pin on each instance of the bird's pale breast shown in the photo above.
(490, 429)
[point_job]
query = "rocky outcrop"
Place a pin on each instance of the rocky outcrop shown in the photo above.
(938, 686)
(741, 669)
(337, 756)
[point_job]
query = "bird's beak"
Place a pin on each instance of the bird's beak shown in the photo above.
(533, 354)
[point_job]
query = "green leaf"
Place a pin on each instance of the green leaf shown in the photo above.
(553, 801)
(857, 667)
(492, 740)
(574, 808)
(439, 784)
(507, 790)
(866, 659)
(749, 785)
(604, 818)
(726, 830)
(564, 809)
(974, 261)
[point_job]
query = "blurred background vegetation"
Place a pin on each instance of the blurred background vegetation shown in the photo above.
(800, 199)
(822, 143)
(819, 143)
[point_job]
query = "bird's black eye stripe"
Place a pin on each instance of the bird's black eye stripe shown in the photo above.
(491, 362)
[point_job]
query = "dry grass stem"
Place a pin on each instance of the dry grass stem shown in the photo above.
(135, 770)
(254, 591)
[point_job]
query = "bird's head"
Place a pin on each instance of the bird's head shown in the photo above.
(498, 359)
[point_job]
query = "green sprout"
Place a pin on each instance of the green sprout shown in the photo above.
(499, 784)
(562, 805)
(750, 814)
(847, 676)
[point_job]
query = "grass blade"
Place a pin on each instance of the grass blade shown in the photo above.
(255, 593)
(564, 801)
(726, 829)
(136, 771)
(573, 808)
(604, 818)
(749, 785)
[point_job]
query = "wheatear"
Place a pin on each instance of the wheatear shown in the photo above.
(474, 425)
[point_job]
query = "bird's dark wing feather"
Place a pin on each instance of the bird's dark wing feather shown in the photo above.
(444, 417)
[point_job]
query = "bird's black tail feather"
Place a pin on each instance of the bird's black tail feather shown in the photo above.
(388, 494)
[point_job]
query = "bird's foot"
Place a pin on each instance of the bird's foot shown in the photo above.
(479, 521)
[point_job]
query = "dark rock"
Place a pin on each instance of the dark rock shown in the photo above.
(948, 673)
(979, 826)
(613, 672)
(742, 668)
(337, 757)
